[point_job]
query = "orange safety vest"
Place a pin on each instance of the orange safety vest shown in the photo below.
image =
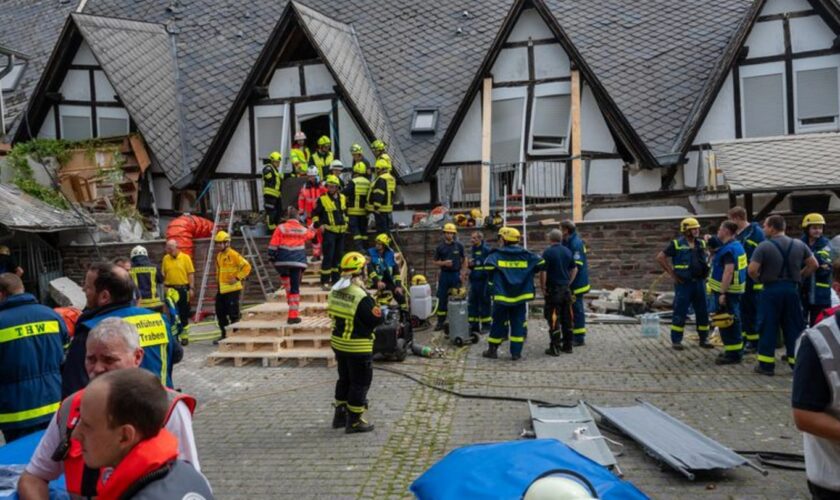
(70, 449)
(308, 197)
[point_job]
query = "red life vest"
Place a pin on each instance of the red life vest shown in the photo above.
(146, 457)
(827, 313)
(74, 464)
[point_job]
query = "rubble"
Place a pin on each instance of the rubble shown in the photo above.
(65, 292)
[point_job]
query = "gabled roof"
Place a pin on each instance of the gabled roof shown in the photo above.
(22, 212)
(138, 61)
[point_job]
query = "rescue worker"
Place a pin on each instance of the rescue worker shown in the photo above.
(478, 305)
(113, 345)
(356, 193)
(378, 147)
(750, 235)
(330, 215)
(816, 290)
(689, 267)
(449, 256)
(299, 155)
(32, 339)
(147, 279)
(560, 272)
(580, 285)
(728, 283)
(780, 264)
(179, 274)
(272, 183)
(231, 271)
(287, 250)
(354, 316)
(359, 158)
(337, 169)
(323, 157)
(108, 291)
(381, 196)
(512, 285)
(383, 270)
(307, 200)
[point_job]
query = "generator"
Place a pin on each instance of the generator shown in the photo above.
(457, 322)
(393, 336)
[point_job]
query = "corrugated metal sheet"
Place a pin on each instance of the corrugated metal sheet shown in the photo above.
(22, 212)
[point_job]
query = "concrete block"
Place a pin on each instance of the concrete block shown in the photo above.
(65, 292)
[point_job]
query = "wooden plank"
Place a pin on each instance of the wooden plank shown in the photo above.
(486, 142)
(577, 173)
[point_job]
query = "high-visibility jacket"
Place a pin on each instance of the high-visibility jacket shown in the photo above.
(230, 265)
(479, 272)
(750, 238)
(578, 248)
(146, 277)
(308, 197)
(70, 449)
(354, 316)
(300, 160)
(331, 213)
(32, 339)
(512, 275)
(287, 247)
(381, 197)
(356, 193)
(70, 315)
(322, 163)
(681, 261)
(739, 276)
(272, 180)
(818, 285)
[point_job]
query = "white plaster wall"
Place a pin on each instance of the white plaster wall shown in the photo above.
(719, 123)
(350, 134)
(810, 33)
(466, 146)
(104, 91)
(163, 193)
(604, 177)
(84, 55)
(318, 79)
(76, 85)
(782, 6)
(511, 65)
(595, 135)
(635, 213)
(284, 83)
(551, 61)
(645, 181)
(689, 170)
(414, 194)
(529, 24)
(236, 158)
(48, 127)
(766, 39)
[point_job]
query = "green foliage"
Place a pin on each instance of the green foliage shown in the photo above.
(38, 150)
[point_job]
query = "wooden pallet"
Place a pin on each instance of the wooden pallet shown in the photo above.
(320, 326)
(280, 311)
(307, 294)
(307, 341)
(242, 344)
(302, 357)
(274, 328)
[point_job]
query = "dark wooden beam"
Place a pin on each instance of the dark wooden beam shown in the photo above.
(771, 205)
(525, 43)
(786, 15)
(523, 83)
(284, 100)
(791, 120)
(733, 199)
(736, 96)
(795, 56)
(748, 205)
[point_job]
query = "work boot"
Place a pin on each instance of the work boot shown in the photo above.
(678, 347)
(567, 347)
(761, 371)
(340, 417)
(439, 325)
(705, 344)
(293, 321)
(723, 360)
(515, 357)
(554, 345)
(491, 352)
(578, 342)
(356, 423)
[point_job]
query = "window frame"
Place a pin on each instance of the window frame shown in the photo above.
(507, 94)
(16, 82)
(424, 130)
(768, 69)
(558, 89)
(810, 64)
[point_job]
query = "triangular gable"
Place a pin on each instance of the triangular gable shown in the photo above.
(342, 54)
(137, 58)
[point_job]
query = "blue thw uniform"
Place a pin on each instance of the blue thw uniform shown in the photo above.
(512, 287)
(478, 307)
(383, 267)
(690, 265)
(580, 286)
(450, 277)
(730, 253)
(161, 351)
(750, 238)
(816, 290)
(147, 278)
(32, 339)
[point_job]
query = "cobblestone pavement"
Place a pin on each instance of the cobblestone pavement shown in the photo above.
(265, 433)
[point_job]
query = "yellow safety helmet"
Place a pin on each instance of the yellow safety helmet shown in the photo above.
(813, 220)
(355, 148)
(722, 320)
(378, 145)
(360, 168)
(460, 219)
(509, 234)
(384, 239)
(458, 293)
(475, 213)
(689, 223)
(352, 263)
(332, 181)
(450, 228)
(382, 164)
(324, 141)
(384, 298)
(419, 279)
(221, 236)
(275, 156)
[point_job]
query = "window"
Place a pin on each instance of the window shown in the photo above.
(550, 124)
(506, 144)
(269, 135)
(817, 98)
(112, 127)
(11, 80)
(75, 128)
(764, 105)
(424, 120)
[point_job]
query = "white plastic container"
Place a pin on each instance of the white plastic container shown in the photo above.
(421, 301)
(650, 325)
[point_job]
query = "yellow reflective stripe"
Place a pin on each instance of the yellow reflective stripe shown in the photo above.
(163, 364)
(28, 330)
(676, 328)
(355, 409)
(579, 262)
(823, 285)
(21, 416)
(681, 266)
(583, 289)
(493, 340)
(791, 360)
(766, 359)
(702, 328)
(513, 300)
(758, 287)
(751, 336)
(517, 339)
(512, 264)
(713, 285)
(351, 345)
(751, 242)
(486, 318)
(737, 288)
(151, 328)
(742, 261)
(579, 331)
(734, 347)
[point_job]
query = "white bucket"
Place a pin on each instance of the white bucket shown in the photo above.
(650, 325)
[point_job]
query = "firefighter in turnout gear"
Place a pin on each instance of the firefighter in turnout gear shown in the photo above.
(331, 216)
(354, 316)
(356, 192)
(383, 270)
(272, 180)
(337, 169)
(750, 235)
(728, 283)
(512, 285)
(147, 279)
(816, 290)
(479, 296)
(323, 157)
(688, 267)
(449, 256)
(580, 285)
(287, 250)
(381, 196)
(378, 147)
(307, 200)
(358, 158)
(299, 155)
(231, 270)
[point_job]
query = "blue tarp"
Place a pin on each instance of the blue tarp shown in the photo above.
(19, 452)
(505, 470)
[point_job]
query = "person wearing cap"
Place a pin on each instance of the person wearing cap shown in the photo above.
(356, 191)
(381, 196)
(449, 257)
(272, 181)
(512, 284)
(354, 316)
(337, 169)
(330, 215)
(307, 199)
(688, 267)
(147, 279)
(299, 155)
(8, 264)
(323, 157)
(816, 290)
(231, 271)
(359, 158)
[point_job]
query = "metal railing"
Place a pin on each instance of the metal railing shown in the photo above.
(543, 181)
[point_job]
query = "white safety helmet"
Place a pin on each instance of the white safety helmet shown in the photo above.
(557, 488)
(312, 172)
(336, 164)
(300, 136)
(139, 250)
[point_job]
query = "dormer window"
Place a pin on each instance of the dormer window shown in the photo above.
(424, 120)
